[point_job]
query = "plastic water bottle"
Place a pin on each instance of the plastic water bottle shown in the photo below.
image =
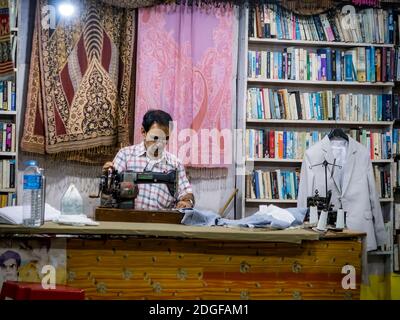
(32, 195)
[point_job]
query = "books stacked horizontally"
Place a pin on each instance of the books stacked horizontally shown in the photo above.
(383, 182)
(276, 184)
(368, 25)
(275, 144)
(371, 64)
(266, 103)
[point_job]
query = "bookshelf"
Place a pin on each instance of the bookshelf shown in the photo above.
(8, 120)
(246, 205)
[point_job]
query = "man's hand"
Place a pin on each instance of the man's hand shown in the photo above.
(187, 201)
(107, 166)
(184, 204)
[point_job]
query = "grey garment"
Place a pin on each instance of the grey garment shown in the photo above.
(196, 217)
(357, 195)
(299, 214)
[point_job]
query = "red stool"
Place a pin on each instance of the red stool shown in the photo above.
(35, 291)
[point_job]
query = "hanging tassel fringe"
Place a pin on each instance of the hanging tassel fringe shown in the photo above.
(206, 173)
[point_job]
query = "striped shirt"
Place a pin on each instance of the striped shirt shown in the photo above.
(155, 195)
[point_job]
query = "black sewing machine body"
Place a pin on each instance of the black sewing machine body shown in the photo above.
(120, 189)
(323, 203)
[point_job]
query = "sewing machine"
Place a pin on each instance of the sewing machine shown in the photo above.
(120, 189)
(323, 203)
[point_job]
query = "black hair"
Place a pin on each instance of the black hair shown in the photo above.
(156, 116)
(10, 255)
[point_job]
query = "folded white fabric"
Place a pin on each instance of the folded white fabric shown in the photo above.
(75, 220)
(14, 214)
(277, 213)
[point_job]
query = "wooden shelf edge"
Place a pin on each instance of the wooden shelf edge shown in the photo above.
(322, 83)
(254, 40)
(320, 122)
(294, 201)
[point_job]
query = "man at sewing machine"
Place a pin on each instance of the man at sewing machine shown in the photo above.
(150, 155)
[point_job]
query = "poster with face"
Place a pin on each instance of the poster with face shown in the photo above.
(30, 260)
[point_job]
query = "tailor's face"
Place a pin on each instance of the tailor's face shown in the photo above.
(9, 270)
(155, 140)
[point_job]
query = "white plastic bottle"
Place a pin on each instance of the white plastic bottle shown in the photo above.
(32, 195)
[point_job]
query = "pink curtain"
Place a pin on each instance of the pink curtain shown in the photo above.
(186, 67)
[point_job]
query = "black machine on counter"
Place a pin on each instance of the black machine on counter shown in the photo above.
(324, 203)
(120, 189)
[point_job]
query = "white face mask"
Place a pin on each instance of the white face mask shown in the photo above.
(156, 149)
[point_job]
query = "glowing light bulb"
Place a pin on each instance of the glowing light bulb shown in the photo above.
(66, 9)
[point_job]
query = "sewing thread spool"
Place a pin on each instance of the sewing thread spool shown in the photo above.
(323, 218)
(340, 219)
(313, 215)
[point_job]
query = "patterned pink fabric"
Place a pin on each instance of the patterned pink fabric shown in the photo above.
(186, 67)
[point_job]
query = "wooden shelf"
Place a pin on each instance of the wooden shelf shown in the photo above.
(271, 200)
(299, 161)
(316, 43)
(292, 200)
(320, 122)
(6, 153)
(386, 199)
(8, 190)
(8, 113)
(268, 160)
(7, 77)
(321, 83)
(380, 253)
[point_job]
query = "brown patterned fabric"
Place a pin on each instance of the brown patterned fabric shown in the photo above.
(6, 64)
(80, 90)
(133, 4)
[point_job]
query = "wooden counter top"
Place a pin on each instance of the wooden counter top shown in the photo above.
(180, 231)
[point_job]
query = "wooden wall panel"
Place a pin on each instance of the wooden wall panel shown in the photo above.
(148, 268)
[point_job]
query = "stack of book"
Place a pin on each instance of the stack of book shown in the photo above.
(371, 64)
(7, 137)
(7, 96)
(7, 173)
(368, 25)
(396, 174)
(276, 144)
(266, 103)
(383, 182)
(395, 106)
(396, 142)
(276, 184)
(8, 200)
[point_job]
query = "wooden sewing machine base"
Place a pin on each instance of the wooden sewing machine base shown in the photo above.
(132, 215)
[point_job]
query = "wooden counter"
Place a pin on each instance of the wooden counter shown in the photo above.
(164, 261)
